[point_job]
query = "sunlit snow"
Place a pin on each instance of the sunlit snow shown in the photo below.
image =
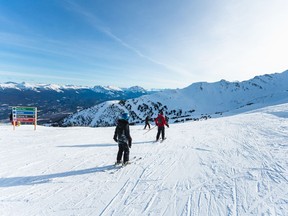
(233, 165)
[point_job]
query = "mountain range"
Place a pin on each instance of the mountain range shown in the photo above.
(198, 101)
(54, 102)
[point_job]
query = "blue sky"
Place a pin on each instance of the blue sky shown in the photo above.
(153, 44)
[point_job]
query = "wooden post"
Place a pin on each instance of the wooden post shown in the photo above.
(35, 118)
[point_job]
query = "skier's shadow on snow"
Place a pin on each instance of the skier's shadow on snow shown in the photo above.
(87, 145)
(101, 145)
(41, 179)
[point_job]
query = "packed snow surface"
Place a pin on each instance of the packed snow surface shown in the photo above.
(233, 165)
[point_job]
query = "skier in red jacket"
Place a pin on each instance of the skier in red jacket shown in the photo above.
(161, 122)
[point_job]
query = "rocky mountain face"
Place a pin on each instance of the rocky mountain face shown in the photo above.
(198, 101)
(55, 102)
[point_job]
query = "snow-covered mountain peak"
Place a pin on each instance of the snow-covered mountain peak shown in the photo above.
(57, 101)
(8, 85)
(136, 89)
(104, 89)
(196, 101)
(37, 87)
(60, 88)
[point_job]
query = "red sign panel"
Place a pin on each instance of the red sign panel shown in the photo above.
(25, 119)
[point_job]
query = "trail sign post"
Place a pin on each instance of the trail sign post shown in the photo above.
(24, 114)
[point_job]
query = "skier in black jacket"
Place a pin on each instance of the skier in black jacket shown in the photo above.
(123, 138)
(147, 119)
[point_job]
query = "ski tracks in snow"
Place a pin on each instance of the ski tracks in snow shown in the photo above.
(228, 166)
(143, 185)
(236, 162)
(212, 175)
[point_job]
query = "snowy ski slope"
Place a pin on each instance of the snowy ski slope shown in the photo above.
(233, 165)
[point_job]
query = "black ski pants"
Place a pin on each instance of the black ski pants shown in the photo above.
(161, 130)
(147, 124)
(123, 151)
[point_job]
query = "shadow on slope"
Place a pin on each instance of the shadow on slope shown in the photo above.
(280, 114)
(255, 107)
(87, 145)
(102, 145)
(41, 179)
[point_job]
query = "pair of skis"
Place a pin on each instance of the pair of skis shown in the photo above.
(161, 140)
(116, 167)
